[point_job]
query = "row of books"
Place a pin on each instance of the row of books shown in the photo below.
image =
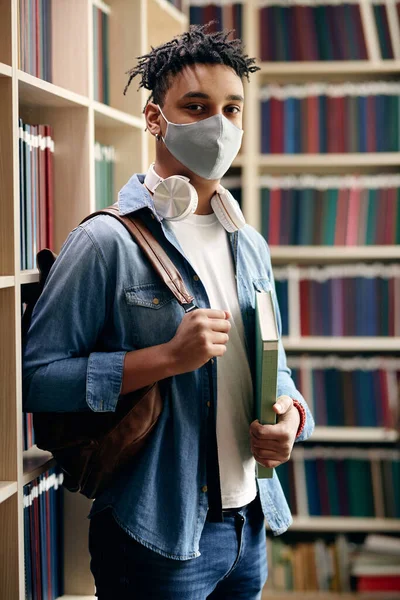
(35, 37)
(36, 148)
(101, 85)
(331, 211)
(382, 19)
(354, 392)
(224, 15)
(334, 565)
(104, 175)
(342, 482)
(342, 300)
(294, 32)
(43, 537)
(325, 118)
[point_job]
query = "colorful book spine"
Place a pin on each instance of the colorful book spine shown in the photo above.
(330, 118)
(347, 482)
(43, 537)
(101, 53)
(329, 211)
(36, 149)
(311, 32)
(349, 392)
(227, 15)
(105, 157)
(343, 300)
(35, 38)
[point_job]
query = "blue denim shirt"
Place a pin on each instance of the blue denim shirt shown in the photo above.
(97, 305)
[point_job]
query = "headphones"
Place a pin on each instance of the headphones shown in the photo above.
(175, 198)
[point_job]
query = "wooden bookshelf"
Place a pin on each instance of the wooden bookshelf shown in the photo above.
(345, 524)
(333, 254)
(353, 434)
(67, 104)
(345, 344)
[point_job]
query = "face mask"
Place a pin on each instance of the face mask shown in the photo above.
(206, 147)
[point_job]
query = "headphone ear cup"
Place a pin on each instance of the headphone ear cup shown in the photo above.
(227, 210)
(175, 198)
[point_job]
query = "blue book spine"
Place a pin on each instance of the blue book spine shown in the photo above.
(289, 126)
(313, 493)
(296, 108)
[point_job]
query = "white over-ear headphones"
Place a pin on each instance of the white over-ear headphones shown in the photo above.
(175, 198)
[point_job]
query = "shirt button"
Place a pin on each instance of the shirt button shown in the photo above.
(208, 404)
(156, 301)
(196, 277)
(204, 489)
(212, 361)
(152, 216)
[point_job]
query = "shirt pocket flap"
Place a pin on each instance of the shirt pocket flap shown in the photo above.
(152, 295)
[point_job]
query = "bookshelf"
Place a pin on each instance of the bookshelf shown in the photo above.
(67, 104)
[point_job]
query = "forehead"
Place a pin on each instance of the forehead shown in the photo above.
(216, 81)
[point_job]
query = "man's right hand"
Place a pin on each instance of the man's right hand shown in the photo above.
(202, 334)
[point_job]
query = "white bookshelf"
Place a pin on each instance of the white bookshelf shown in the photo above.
(345, 524)
(337, 344)
(354, 434)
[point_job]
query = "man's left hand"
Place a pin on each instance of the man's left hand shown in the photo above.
(272, 445)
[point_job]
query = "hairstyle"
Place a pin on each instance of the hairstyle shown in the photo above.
(198, 45)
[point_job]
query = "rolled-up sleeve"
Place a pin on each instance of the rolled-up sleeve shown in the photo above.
(286, 384)
(62, 369)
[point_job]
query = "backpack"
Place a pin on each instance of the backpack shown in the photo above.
(92, 447)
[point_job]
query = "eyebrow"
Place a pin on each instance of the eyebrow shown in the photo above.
(231, 97)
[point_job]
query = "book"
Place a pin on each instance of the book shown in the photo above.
(267, 339)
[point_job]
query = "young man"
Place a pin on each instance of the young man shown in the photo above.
(186, 521)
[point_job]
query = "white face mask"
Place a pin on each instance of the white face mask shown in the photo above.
(206, 147)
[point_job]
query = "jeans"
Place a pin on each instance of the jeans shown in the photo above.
(232, 565)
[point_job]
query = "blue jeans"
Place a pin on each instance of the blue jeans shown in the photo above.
(232, 565)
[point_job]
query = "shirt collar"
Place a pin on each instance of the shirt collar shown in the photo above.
(134, 196)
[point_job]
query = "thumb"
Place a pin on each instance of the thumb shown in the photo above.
(283, 404)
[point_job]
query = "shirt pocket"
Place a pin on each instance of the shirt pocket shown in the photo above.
(153, 313)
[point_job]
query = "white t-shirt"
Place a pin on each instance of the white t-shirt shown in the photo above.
(205, 243)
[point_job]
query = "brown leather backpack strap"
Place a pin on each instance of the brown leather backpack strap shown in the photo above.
(154, 252)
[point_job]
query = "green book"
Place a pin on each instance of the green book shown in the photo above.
(267, 339)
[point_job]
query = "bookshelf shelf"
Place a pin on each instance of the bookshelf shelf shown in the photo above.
(106, 116)
(36, 462)
(5, 70)
(345, 344)
(341, 524)
(29, 276)
(327, 596)
(327, 69)
(331, 254)
(7, 281)
(36, 92)
(7, 489)
(349, 161)
(353, 434)
(69, 597)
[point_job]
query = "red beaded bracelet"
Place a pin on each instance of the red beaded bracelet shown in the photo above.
(302, 414)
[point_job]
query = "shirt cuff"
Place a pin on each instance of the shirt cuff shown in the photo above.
(302, 413)
(104, 380)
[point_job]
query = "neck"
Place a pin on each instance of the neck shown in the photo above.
(205, 189)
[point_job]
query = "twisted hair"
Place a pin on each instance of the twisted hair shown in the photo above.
(198, 45)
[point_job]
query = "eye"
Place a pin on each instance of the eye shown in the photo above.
(233, 110)
(195, 107)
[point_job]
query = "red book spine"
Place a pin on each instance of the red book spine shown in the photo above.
(304, 308)
(331, 107)
(274, 217)
(375, 583)
(264, 36)
(48, 544)
(353, 217)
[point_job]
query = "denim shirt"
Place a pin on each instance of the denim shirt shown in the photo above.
(96, 306)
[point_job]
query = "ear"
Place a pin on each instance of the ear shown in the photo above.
(152, 116)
